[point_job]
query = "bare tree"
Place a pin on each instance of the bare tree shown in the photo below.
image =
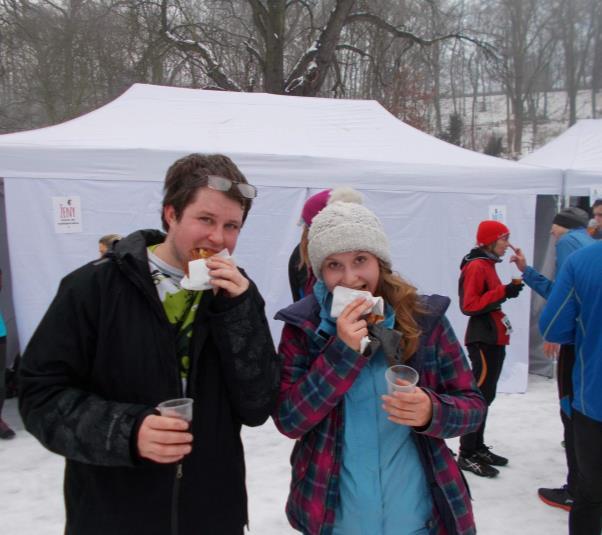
(577, 31)
(267, 41)
(526, 44)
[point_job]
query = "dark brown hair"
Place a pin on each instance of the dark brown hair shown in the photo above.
(186, 175)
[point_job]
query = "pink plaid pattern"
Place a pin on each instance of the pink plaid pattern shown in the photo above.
(316, 374)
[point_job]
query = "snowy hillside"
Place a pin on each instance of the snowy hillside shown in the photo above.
(491, 112)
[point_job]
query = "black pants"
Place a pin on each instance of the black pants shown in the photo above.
(2, 372)
(585, 517)
(564, 377)
(487, 361)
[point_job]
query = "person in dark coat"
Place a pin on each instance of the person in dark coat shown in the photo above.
(300, 275)
(122, 335)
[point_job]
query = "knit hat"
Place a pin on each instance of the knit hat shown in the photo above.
(313, 205)
(571, 217)
(490, 231)
(345, 225)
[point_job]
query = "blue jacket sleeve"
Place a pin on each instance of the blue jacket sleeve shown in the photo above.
(558, 320)
(537, 282)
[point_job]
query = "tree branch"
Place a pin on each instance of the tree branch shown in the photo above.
(309, 73)
(338, 80)
(306, 5)
(211, 65)
(355, 49)
(255, 53)
(370, 18)
(260, 14)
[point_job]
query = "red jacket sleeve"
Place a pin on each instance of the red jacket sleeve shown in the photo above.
(475, 298)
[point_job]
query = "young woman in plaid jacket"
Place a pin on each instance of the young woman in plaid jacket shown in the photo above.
(365, 462)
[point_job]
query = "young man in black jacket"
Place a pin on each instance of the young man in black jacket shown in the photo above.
(123, 335)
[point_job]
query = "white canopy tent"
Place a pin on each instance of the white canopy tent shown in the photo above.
(578, 153)
(429, 194)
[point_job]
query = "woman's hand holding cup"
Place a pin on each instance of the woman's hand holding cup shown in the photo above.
(409, 408)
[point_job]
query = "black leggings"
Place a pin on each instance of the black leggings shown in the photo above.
(487, 361)
(586, 513)
(564, 375)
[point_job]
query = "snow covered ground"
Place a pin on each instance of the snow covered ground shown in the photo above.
(524, 427)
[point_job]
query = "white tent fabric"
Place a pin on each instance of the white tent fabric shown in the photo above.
(578, 152)
(429, 194)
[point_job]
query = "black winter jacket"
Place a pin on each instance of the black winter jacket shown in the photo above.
(103, 356)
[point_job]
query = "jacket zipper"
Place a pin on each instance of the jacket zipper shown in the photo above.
(179, 474)
(175, 495)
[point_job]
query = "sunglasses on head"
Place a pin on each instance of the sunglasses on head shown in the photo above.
(220, 183)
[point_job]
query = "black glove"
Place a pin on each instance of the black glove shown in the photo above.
(512, 290)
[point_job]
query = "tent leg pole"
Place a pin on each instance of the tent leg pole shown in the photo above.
(564, 200)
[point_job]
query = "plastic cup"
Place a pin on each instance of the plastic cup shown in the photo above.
(401, 378)
(517, 280)
(177, 408)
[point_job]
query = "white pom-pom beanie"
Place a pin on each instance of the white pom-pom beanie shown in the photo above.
(345, 225)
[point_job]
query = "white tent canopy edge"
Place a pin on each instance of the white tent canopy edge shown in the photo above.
(577, 152)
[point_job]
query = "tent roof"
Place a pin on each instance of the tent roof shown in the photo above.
(579, 147)
(578, 152)
(137, 135)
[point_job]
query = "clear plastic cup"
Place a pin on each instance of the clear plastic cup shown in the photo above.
(177, 408)
(401, 378)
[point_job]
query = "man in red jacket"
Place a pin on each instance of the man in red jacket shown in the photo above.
(487, 334)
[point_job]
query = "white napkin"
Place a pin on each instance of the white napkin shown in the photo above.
(342, 296)
(198, 273)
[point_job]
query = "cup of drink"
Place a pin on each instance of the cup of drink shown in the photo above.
(517, 280)
(177, 408)
(401, 378)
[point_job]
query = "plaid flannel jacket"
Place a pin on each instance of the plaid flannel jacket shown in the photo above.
(318, 371)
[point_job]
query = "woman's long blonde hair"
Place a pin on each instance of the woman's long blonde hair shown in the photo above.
(403, 298)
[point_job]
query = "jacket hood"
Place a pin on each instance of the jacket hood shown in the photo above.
(478, 253)
(135, 244)
(297, 313)
(131, 258)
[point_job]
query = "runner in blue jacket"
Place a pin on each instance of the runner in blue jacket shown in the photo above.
(568, 228)
(572, 316)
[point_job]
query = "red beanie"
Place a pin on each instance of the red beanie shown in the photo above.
(491, 231)
(313, 205)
